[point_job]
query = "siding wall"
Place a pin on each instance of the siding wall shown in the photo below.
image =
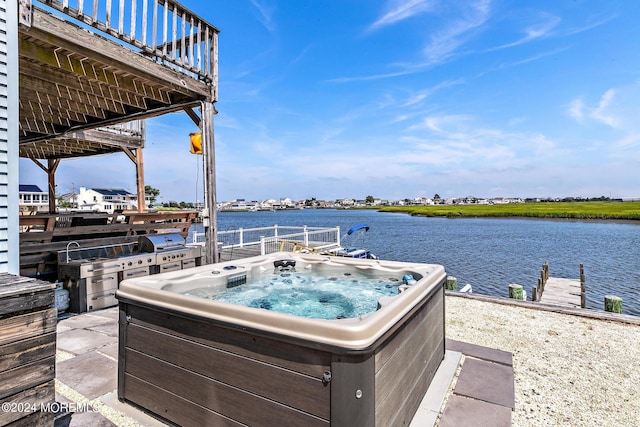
(9, 253)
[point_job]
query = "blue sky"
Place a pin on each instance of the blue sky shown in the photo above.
(405, 98)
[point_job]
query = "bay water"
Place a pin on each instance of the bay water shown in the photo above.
(488, 253)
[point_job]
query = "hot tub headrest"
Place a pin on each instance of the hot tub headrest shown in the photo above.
(284, 263)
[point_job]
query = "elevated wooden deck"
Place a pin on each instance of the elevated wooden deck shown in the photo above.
(88, 69)
(85, 68)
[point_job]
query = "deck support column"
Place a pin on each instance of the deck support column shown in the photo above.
(51, 174)
(210, 221)
(50, 170)
(136, 157)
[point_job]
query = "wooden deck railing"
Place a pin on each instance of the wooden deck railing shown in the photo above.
(162, 29)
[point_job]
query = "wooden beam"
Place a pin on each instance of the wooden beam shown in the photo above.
(43, 86)
(142, 207)
(104, 137)
(193, 115)
(75, 39)
(32, 138)
(65, 63)
(40, 165)
(37, 107)
(60, 105)
(112, 90)
(53, 166)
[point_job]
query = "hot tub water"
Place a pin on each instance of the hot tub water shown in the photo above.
(307, 294)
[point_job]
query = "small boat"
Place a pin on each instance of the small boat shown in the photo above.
(355, 251)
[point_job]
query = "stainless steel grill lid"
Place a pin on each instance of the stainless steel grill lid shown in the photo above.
(160, 242)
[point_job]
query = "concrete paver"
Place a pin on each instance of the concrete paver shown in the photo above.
(480, 352)
(462, 411)
(79, 341)
(487, 381)
(85, 320)
(91, 374)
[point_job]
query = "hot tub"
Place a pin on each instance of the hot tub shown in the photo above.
(200, 361)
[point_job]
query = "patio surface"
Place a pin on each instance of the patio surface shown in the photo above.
(474, 385)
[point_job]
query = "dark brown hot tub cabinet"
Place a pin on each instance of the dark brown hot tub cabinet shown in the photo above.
(196, 371)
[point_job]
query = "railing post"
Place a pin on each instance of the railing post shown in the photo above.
(338, 236)
(262, 246)
(275, 230)
(306, 236)
(241, 237)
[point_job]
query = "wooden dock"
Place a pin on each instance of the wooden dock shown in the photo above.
(560, 292)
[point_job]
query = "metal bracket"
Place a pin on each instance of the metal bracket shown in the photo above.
(326, 377)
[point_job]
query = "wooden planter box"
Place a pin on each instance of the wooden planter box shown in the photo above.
(27, 350)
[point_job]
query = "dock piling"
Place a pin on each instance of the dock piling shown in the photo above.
(516, 292)
(613, 304)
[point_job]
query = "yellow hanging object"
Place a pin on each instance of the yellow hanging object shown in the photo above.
(196, 142)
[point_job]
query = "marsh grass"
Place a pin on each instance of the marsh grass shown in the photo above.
(567, 210)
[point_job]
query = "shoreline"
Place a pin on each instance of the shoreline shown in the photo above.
(566, 211)
(540, 218)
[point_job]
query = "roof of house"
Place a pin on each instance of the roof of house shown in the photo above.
(111, 191)
(28, 188)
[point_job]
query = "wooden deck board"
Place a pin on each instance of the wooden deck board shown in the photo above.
(562, 292)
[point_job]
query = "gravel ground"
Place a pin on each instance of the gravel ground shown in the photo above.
(569, 370)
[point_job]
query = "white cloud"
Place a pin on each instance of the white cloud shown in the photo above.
(600, 113)
(399, 10)
(534, 32)
(456, 32)
(266, 14)
(442, 124)
(576, 109)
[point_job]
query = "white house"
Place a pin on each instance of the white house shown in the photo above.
(108, 200)
(32, 199)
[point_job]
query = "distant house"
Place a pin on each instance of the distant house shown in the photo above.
(108, 200)
(68, 199)
(32, 199)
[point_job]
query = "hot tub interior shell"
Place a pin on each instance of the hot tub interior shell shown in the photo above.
(191, 369)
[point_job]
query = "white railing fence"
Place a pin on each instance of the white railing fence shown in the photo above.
(271, 239)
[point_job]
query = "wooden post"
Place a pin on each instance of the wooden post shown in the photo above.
(546, 271)
(208, 151)
(583, 288)
(51, 175)
(516, 292)
(540, 287)
(50, 170)
(452, 283)
(534, 294)
(612, 304)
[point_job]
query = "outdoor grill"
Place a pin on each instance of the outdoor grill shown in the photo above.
(92, 275)
(172, 252)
